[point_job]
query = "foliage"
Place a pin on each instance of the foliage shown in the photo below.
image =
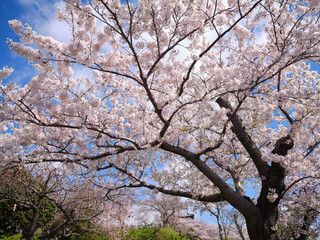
(80, 231)
(77, 230)
(14, 217)
(67, 206)
(78, 235)
(154, 233)
(15, 237)
(89, 236)
(189, 98)
(18, 202)
(12, 221)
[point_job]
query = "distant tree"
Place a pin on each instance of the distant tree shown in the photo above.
(230, 223)
(220, 215)
(162, 208)
(42, 197)
(23, 206)
(238, 222)
(84, 208)
(301, 218)
(196, 229)
(190, 98)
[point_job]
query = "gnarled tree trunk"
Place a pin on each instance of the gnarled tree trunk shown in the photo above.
(29, 235)
(262, 217)
(263, 226)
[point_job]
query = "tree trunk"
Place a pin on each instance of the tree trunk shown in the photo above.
(29, 235)
(262, 227)
(239, 227)
(255, 226)
(262, 217)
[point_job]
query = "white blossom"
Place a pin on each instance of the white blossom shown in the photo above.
(15, 25)
(221, 19)
(272, 195)
(5, 72)
(190, 96)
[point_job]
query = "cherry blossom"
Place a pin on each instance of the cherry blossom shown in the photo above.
(186, 98)
(5, 72)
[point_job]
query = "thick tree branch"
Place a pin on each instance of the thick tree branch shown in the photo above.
(234, 175)
(239, 130)
(227, 193)
(207, 198)
(311, 148)
(287, 115)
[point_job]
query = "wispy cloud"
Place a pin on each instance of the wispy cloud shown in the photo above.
(41, 15)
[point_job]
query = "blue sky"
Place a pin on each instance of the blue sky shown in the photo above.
(10, 10)
(40, 14)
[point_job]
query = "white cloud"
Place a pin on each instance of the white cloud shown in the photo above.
(41, 15)
(262, 36)
(57, 30)
(81, 72)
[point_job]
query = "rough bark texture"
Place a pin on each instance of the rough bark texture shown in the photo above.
(262, 227)
(262, 218)
(255, 226)
(29, 235)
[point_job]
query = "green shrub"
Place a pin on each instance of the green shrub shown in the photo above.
(14, 218)
(153, 233)
(78, 231)
(89, 236)
(14, 237)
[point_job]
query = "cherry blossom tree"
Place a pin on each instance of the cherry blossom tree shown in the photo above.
(229, 221)
(196, 229)
(56, 202)
(24, 206)
(189, 98)
(301, 215)
(83, 206)
(165, 209)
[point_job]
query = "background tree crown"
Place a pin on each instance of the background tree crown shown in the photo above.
(187, 98)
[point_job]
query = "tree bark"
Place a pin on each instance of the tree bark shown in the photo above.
(261, 226)
(255, 226)
(261, 221)
(29, 235)
(239, 227)
(272, 184)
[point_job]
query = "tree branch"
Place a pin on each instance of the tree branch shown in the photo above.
(239, 130)
(286, 114)
(311, 148)
(295, 182)
(233, 197)
(186, 78)
(207, 198)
